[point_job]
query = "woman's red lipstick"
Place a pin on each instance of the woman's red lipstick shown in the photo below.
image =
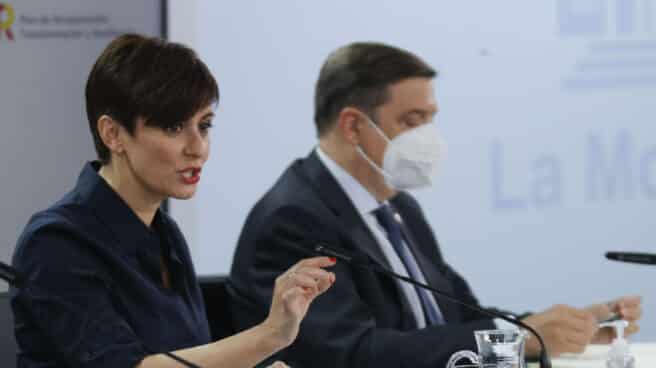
(191, 176)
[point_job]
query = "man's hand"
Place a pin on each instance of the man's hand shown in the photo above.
(564, 329)
(628, 308)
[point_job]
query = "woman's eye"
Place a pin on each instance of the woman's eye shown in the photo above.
(174, 129)
(205, 127)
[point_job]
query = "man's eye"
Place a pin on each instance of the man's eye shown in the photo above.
(410, 123)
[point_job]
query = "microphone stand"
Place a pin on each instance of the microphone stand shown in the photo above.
(178, 359)
(366, 264)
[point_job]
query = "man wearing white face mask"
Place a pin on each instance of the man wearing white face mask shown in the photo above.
(410, 159)
(375, 115)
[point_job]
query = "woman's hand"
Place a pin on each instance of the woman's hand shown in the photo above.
(293, 293)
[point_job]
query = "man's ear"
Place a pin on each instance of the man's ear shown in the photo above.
(109, 131)
(348, 124)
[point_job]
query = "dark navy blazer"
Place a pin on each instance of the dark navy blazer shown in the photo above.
(363, 320)
(94, 295)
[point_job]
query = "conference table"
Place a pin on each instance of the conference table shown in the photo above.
(595, 357)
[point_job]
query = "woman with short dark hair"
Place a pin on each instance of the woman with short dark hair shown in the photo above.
(110, 282)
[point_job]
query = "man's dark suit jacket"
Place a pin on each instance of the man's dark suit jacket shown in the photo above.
(363, 320)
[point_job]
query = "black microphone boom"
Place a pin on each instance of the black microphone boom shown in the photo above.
(184, 362)
(365, 263)
(10, 275)
(632, 257)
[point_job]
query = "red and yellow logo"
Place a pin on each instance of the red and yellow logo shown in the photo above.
(7, 18)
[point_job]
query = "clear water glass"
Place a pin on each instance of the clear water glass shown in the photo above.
(496, 349)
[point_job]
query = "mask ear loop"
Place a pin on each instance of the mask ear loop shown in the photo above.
(367, 158)
(380, 131)
(373, 164)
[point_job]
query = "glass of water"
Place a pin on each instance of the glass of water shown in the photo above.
(496, 349)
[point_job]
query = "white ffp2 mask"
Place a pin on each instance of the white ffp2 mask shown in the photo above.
(411, 159)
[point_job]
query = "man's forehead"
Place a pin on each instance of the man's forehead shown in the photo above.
(414, 93)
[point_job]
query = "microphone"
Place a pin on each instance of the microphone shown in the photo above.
(632, 257)
(15, 279)
(325, 250)
(10, 275)
(362, 261)
(184, 362)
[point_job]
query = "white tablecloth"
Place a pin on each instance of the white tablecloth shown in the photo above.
(595, 357)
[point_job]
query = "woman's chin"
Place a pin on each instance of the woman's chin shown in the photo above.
(182, 195)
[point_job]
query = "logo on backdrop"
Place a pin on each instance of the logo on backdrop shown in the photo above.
(7, 18)
(54, 26)
(620, 42)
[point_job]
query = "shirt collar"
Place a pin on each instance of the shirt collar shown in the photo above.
(363, 201)
(128, 229)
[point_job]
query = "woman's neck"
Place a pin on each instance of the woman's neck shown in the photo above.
(127, 186)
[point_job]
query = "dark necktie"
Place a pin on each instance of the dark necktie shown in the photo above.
(390, 221)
